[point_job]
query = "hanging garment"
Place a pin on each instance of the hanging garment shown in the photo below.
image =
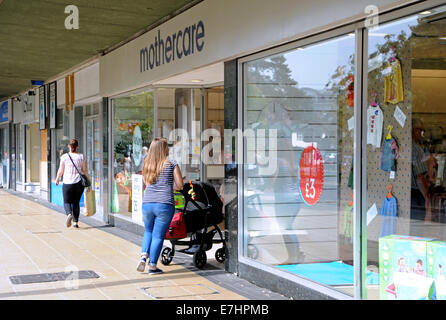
(348, 222)
(389, 212)
(393, 83)
(350, 177)
(375, 120)
(350, 91)
(389, 153)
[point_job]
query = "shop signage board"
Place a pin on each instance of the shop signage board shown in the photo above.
(137, 195)
(201, 36)
(310, 175)
(52, 104)
(42, 107)
(4, 111)
(137, 145)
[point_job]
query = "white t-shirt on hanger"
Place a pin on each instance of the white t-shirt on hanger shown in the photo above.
(375, 120)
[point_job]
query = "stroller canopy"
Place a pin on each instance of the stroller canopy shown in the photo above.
(208, 201)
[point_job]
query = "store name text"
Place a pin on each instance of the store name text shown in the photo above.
(178, 45)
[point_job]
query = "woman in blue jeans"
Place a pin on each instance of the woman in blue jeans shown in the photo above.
(158, 207)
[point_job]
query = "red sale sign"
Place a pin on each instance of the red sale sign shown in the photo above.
(311, 175)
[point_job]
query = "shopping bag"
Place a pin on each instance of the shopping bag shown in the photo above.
(177, 227)
(90, 203)
(115, 199)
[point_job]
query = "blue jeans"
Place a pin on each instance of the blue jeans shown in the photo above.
(157, 218)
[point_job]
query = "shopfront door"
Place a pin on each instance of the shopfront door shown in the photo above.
(4, 157)
(93, 156)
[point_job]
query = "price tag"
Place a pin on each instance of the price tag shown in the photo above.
(392, 175)
(351, 123)
(399, 116)
(311, 175)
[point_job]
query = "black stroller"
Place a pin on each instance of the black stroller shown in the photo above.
(201, 217)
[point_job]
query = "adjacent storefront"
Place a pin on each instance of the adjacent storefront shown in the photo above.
(26, 138)
(5, 119)
(78, 113)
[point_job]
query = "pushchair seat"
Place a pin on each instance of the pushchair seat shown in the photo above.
(201, 218)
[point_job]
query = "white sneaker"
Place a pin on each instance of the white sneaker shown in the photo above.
(69, 219)
(141, 264)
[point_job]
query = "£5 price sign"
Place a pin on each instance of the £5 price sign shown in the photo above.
(310, 175)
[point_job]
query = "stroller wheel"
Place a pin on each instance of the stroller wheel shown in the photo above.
(200, 259)
(220, 255)
(166, 256)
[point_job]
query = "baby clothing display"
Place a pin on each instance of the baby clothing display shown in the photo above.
(350, 91)
(375, 120)
(389, 153)
(388, 211)
(393, 82)
(393, 90)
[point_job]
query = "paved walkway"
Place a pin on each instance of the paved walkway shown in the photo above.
(35, 240)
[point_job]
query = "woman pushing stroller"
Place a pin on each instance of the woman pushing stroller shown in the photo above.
(159, 174)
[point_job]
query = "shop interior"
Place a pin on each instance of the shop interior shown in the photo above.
(194, 102)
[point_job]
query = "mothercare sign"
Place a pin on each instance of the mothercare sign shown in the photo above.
(166, 48)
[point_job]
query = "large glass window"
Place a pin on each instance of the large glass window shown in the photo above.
(4, 156)
(178, 117)
(60, 141)
(298, 152)
(406, 152)
(214, 116)
(20, 154)
(93, 149)
(32, 144)
(133, 130)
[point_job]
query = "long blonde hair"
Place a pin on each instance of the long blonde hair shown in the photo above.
(155, 160)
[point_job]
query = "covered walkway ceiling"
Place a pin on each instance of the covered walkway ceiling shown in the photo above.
(35, 45)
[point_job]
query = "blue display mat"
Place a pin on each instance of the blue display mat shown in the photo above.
(330, 273)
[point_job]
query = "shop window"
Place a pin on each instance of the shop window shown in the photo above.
(297, 210)
(32, 144)
(214, 116)
(406, 152)
(4, 156)
(178, 120)
(61, 140)
(133, 130)
(20, 154)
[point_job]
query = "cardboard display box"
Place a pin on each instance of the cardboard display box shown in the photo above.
(402, 268)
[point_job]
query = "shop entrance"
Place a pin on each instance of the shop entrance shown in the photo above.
(194, 102)
(4, 157)
(32, 158)
(93, 150)
(191, 103)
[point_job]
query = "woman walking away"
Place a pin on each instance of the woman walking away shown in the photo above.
(71, 164)
(159, 173)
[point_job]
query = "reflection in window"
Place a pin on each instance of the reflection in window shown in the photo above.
(179, 121)
(306, 96)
